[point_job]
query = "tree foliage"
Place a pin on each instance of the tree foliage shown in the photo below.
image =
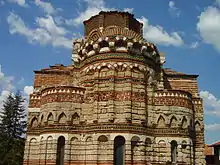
(12, 130)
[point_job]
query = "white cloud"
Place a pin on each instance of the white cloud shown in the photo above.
(212, 103)
(28, 90)
(19, 2)
(173, 9)
(46, 6)
(194, 45)
(48, 24)
(93, 8)
(26, 93)
(46, 33)
(158, 35)
(130, 10)
(212, 127)
(6, 86)
(155, 34)
(6, 81)
(49, 30)
(208, 26)
(2, 2)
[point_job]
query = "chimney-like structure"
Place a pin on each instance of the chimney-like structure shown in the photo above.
(113, 19)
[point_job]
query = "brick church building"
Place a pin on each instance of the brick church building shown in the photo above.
(115, 104)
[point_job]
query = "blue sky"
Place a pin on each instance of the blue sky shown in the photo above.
(37, 33)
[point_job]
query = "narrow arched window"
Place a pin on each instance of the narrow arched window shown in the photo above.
(33, 151)
(148, 145)
(173, 151)
(60, 151)
(119, 150)
(102, 148)
(134, 145)
(74, 145)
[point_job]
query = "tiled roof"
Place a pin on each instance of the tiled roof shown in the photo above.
(55, 68)
(215, 144)
(170, 72)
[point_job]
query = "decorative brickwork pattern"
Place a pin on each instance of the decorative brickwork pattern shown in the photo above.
(115, 89)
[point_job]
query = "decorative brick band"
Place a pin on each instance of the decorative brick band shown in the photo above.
(115, 57)
(35, 100)
(173, 98)
(112, 128)
(95, 34)
(84, 49)
(197, 101)
(60, 97)
(116, 96)
(62, 90)
(173, 93)
(57, 94)
(115, 65)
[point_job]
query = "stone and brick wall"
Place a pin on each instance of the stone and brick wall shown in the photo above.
(116, 87)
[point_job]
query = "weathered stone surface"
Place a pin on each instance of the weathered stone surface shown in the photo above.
(115, 88)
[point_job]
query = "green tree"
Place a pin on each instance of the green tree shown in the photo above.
(12, 130)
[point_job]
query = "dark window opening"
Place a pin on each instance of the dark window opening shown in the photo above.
(60, 151)
(173, 151)
(119, 150)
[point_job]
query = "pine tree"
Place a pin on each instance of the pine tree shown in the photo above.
(12, 130)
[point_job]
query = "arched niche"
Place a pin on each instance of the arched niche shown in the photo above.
(184, 122)
(184, 144)
(137, 73)
(173, 122)
(148, 144)
(42, 149)
(49, 147)
(161, 122)
(102, 148)
(41, 119)
(88, 148)
(148, 149)
(33, 150)
(34, 122)
(103, 44)
(75, 119)
(102, 139)
(137, 46)
(103, 71)
(74, 145)
(89, 48)
(121, 45)
(62, 118)
(50, 119)
(162, 143)
(134, 148)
